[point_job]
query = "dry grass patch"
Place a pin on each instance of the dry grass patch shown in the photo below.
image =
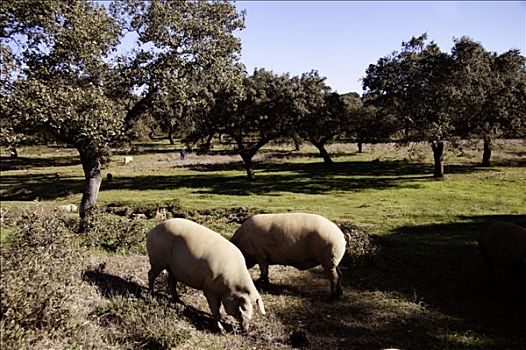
(42, 297)
(57, 293)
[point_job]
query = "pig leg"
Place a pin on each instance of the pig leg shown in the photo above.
(263, 277)
(152, 275)
(334, 275)
(173, 289)
(214, 303)
(490, 267)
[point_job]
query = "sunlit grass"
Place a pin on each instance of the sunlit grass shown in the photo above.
(380, 196)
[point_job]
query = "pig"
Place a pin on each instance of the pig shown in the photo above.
(204, 260)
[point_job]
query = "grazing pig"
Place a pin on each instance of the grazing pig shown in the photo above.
(296, 239)
(203, 259)
(503, 245)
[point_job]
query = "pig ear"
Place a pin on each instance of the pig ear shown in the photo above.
(260, 305)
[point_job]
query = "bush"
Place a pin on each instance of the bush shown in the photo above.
(114, 233)
(223, 220)
(121, 234)
(361, 247)
(163, 210)
(40, 273)
(236, 215)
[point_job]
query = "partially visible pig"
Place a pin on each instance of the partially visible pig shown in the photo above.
(503, 245)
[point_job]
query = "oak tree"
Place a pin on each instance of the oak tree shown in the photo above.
(265, 109)
(490, 93)
(413, 84)
(323, 114)
(67, 78)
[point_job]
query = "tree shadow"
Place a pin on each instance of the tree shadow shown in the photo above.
(355, 168)
(20, 163)
(307, 178)
(294, 178)
(426, 289)
(511, 162)
(274, 178)
(28, 187)
(440, 265)
(363, 321)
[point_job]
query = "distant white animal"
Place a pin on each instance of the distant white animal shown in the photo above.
(128, 160)
(294, 239)
(204, 260)
(67, 208)
(3, 213)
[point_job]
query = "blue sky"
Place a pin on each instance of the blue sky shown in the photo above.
(341, 38)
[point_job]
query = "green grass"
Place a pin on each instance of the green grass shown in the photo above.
(426, 287)
(382, 195)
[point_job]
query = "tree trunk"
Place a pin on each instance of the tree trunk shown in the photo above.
(151, 135)
(323, 152)
(297, 142)
(360, 147)
(171, 136)
(247, 158)
(488, 147)
(13, 152)
(438, 152)
(208, 143)
(92, 179)
(248, 153)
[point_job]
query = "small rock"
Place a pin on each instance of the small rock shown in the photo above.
(298, 338)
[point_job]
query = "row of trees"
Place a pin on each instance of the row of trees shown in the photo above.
(266, 106)
(416, 94)
(424, 94)
(65, 78)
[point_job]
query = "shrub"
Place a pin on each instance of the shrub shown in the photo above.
(361, 247)
(229, 215)
(223, 220)
(40, 273)
(115, 234)
(120, 234)
(163, 210)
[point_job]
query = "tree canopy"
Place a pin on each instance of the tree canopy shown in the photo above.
(265, 109)
(64, 76)
(490, 92)
(414, 85)
(436, 96)
(323, 115)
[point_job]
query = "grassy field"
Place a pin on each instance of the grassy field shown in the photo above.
(424, 287)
